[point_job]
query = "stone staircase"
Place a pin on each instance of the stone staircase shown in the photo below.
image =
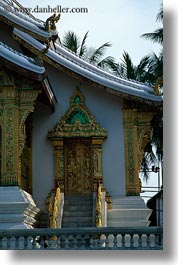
(78, 211)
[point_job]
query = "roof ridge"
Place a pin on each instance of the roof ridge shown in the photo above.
(113, 76)
(30, 59)
(11, 6)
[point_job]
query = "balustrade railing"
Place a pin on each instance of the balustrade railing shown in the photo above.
(110, 238)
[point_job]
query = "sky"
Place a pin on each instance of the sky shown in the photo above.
(121, 22)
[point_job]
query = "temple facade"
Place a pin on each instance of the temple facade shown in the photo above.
(72, 135)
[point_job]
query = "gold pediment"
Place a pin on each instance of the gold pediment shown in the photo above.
(77, 121)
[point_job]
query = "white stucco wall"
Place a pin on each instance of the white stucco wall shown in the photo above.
(107, 110)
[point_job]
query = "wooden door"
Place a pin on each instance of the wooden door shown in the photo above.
(78, 167)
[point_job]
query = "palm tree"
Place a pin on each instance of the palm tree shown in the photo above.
(149, 70)
(157, 35)
(72, 42)
(126, 69)
(94, 55)
(156, 71)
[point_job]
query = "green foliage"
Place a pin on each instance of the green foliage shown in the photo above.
(94, 55)
(157, 35)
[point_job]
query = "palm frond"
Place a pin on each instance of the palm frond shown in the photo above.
(155, 66)
(159, 16)
(149, 154)
(156, 36)
(157, 136)
(145, 169)
(99, 52)
(71, 41)
(83, 44)
(141, 69)
(143, 63)
(127, 66)
(149, 160)
(108, 62)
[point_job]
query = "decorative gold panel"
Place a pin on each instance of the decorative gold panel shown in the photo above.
(137, 133)
(77, 121)
(77, 139)
(15, 105)
(78, 169)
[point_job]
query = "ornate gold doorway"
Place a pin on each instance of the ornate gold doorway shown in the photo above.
(77, 139)
(78, 167)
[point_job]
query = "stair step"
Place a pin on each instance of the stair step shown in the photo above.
(77, 225)
(78, 203)
(77, 219)
(77, 197)
(70, 208)
(77, 214)
(78, 211)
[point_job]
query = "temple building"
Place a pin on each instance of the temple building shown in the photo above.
(72, 135)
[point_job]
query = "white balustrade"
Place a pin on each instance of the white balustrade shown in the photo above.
(82, 238)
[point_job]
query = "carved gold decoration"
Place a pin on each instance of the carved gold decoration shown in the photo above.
(77, 139)
(78, 171)
(26, 106)
(52, 206)
(137, 133)
(41, 54)
(9, 166)
(77, 121)
(26, 158)
(51, 22)
(99, 206)
(15, 105)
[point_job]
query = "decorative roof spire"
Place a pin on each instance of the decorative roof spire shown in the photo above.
(51, 22)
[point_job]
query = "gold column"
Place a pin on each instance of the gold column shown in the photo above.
(10, 173)
(97, 162)
(26, 106)
(59, 163)
(15, 108)
(136, 131)
(131, 151)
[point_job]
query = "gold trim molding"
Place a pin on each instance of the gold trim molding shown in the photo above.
(137, 134)
(15, 106)
(77, 123)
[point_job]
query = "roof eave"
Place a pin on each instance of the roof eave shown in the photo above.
(68, 66)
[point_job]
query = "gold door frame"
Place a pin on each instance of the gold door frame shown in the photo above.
(77, 123)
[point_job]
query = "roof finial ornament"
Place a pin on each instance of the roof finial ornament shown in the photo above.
(51, 27)
(51, 22)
